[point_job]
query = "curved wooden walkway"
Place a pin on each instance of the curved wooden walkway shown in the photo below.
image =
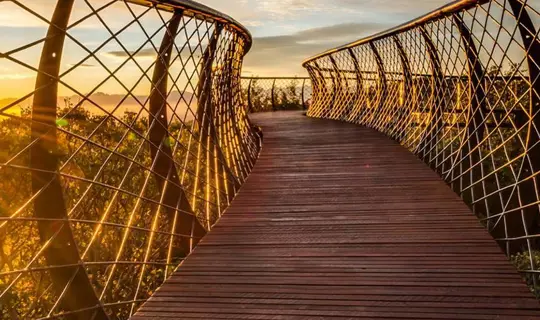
(338, 221)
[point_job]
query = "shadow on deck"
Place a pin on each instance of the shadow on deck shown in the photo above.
(336, 220)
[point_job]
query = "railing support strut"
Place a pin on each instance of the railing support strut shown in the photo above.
(273, 95)
(470, 169)
(250, 103)
(166, 173)
(70, 283)
(304, 106)
(403, 112)
(356, 106)
(529, 222)
(382, 83)
(436, 107)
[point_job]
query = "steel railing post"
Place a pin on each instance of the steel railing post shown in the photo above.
(382, 89)
(272, 93)
(470, 169)
(71, 281)
(436, 106)
(250, 103)
(355, 109)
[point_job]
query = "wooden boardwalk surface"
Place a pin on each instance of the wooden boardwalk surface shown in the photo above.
(338, 221)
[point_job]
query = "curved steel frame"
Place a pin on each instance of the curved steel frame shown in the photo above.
(57, 238)
(226, 149)
(483, 140)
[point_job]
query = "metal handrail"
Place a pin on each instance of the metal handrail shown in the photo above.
(440, 13)
(197, 9)
(107, 200)
(459, 87)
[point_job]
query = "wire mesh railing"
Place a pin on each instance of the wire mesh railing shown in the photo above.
(127, 145)
(459, 88)
(276, 93)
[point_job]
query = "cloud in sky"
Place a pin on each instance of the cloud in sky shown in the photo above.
(17, 76)
(143, 53)
(83, 65)
(303, 12)
(150, 53)
(285, 31)
(285, 8)
(282, 55)
(288, 31)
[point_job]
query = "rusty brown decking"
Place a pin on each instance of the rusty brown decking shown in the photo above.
(338, 221)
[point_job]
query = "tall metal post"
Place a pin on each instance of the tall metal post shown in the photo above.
(274, 107)
(206, 110)
(166, 174)
(337, 90)
(304, 106)
(323, 111)
(315, 92)
(382, 86)
(225, 79)
(250, 103)
(436, 105)
(470, 168)
(527, 222)
(69, 278)
(355, 109)
(404, 111)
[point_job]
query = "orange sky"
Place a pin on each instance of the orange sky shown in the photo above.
(282, 38)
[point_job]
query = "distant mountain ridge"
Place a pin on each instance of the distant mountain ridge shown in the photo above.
(109, 101)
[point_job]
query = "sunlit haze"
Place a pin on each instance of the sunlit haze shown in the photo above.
(285, 32)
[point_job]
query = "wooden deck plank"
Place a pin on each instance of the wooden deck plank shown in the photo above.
(337, 221)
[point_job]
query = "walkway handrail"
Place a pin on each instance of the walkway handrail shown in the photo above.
(123, 155)
(458, 87)
(443, 12)
(276, 93)
(200, 11)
